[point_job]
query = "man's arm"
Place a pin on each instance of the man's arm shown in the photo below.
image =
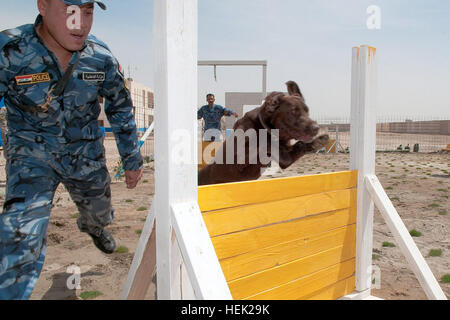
(228, 112)
(118, 109)
(4, 66)
(200, 113)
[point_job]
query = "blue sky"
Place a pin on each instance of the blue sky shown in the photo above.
(308, 41)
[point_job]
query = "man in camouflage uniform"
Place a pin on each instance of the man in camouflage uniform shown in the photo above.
(212, 114)
(55, 138)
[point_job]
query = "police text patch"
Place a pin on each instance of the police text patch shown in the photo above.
(93, 76)
(32, 78)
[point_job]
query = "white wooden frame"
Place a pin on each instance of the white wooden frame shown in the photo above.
(228, 63)
(362, 158)
(175, 240)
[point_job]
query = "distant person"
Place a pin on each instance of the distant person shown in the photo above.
(212, 114)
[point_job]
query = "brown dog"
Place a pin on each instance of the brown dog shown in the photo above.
(287, 113)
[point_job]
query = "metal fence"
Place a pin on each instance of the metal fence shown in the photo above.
(413, 134)
(420, 134)
(143, 121)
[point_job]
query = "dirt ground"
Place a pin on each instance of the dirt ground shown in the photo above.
(418, 185)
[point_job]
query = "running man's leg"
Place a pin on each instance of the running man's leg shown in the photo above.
(23, 225)
(90, 190)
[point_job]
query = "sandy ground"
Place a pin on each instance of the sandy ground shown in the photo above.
(418, 185)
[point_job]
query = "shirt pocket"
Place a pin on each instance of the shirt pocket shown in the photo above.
(84, 92)
(31, 95)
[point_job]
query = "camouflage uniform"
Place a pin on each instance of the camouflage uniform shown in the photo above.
(212, 117)
(62, 145)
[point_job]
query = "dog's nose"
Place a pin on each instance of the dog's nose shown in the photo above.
(315, 127)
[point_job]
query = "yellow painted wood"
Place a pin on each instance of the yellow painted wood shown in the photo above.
(279, 254)
(331, 146)
(249, 240)
(333, 292)
(254, 215)
(220, 196)
(285, 238)
(206, 152)
(279, 275)
(305, 286)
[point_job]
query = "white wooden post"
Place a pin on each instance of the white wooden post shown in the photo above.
(404, 240)
(175, 48)
(264, 82)
(362, 155)
(181, 233)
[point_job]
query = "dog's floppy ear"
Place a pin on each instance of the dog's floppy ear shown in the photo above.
(293, 89)
(272, 101)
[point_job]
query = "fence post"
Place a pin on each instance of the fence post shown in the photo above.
(362, 155)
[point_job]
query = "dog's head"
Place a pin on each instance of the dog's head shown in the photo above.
(290, 115)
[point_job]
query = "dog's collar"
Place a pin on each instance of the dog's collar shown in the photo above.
(263, 123)
(269, 130)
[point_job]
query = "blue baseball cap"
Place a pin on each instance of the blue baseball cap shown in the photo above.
(83, 2)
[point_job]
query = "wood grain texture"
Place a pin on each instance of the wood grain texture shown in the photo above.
(220, 196)
(283, 274)
(282, 232)
(251, 216)
(249, 240)
(305, 286)
(333, 292)
(279, 254)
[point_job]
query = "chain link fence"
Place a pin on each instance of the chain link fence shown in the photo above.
(413, 134)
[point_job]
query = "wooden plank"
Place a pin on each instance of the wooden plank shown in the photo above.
(201, 262)
(175, 268)
(144, 273)
(356, 295)
(255, 261)
(254, 215)
(407, 245)
(304, 286)
(249, 240)
(220, 196)
(187, 291)
(279, 275)
(333, 292)
(144, 262)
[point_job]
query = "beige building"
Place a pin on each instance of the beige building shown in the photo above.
(143, 106)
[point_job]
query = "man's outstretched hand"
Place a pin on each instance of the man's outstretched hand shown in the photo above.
(132, 178)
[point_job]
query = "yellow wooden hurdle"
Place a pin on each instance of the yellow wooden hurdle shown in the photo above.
(287, 238)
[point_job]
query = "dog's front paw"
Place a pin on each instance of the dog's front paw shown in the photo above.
(320, 142)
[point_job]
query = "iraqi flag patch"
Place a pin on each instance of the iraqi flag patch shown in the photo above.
(32, 78)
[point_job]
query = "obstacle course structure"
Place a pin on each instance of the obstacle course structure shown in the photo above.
(304, 237)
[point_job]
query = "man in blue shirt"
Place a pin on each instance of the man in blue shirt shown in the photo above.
(212, 114)
(51, 74)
